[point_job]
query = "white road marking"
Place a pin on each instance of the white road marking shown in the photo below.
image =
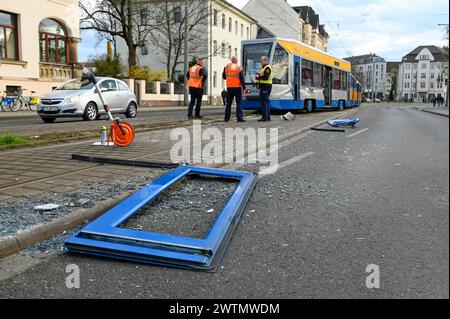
(273, 169)
(357, 133)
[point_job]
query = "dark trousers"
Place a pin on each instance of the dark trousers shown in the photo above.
(264, 94)
(196, 99)
(234, 93)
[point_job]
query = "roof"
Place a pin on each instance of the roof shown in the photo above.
(264, 33)
(439, 54)
(228, 5)
(364, 59)
(314, 54)
(310, 16)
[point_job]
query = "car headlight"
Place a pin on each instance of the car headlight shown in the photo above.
(72, 100)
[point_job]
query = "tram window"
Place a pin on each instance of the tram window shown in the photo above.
(343, 80)
(317, 75)
(336, 79)
(280, 66)
(307, 73)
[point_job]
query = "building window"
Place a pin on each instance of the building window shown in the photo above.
(215, 48)
(422, 85)
(248, 33)
(432, 75)
(144, 16)
(8, 37)
(424, 66)
(178, 15)
(215, 79)
(223, 21)
(215, 18)
(236, 27)
(144, 50)
(53, 42)
(230, 24)
(236, 52)
(423, 76)
(242, 30)
(230, 52)
(431, 85)
(223, 50)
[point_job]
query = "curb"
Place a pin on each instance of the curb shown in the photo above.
(23, 239)
(434, 112)
(11, 116)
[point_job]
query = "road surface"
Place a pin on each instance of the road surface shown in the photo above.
(375, 195)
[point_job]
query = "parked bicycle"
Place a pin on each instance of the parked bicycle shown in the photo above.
(30, 103)
(7, 102)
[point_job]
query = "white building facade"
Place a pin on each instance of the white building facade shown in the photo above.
(371, 72)
(38, 44)
(423, 73)
(220, 38)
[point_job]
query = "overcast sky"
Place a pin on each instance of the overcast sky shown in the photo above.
(389, 28)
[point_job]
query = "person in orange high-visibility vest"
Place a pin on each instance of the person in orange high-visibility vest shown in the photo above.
(197, 76)
(234, 75)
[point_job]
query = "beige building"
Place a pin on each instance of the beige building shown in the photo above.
(38, 43)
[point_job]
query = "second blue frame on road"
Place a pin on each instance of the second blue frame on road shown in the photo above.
(103, 237)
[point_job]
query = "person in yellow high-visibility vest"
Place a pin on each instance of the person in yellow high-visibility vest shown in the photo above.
(265, 81)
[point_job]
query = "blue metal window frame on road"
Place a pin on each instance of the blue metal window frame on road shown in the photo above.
(103, 237)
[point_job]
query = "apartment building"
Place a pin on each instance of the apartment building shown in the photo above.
(371, 72)
(423, 73)
(38, 44)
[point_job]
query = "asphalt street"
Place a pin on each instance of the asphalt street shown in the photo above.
(377, 194)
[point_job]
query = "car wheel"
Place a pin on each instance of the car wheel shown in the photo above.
(48, 119)
(90, 112)
(131, 111)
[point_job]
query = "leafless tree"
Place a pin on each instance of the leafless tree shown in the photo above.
(117, 18)
(168, 36)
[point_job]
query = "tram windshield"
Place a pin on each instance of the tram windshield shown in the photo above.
(252, 56)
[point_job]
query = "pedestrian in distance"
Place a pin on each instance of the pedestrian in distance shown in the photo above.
(434, 100)
(234, 75)
(265, 80)
(197, 76)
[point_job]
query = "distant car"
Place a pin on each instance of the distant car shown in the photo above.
(367, 100)
(78, 98)
(377, 101)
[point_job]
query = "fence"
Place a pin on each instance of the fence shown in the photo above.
(158, 93)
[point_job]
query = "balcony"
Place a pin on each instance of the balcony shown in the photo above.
(55, 72)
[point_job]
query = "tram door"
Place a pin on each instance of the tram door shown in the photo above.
(327, 84)
(297, 78)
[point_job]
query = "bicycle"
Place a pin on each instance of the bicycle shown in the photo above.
(6, 102)
(30, 103)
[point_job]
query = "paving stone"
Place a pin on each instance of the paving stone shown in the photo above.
(20, 191)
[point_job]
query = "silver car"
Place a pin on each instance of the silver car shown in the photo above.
(79, 98)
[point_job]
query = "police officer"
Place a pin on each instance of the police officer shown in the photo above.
(234, 75)
(197, 76)
(265, 80)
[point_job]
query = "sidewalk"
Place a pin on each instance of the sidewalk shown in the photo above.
(442, 111)
(45, 175)
(29, 114)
